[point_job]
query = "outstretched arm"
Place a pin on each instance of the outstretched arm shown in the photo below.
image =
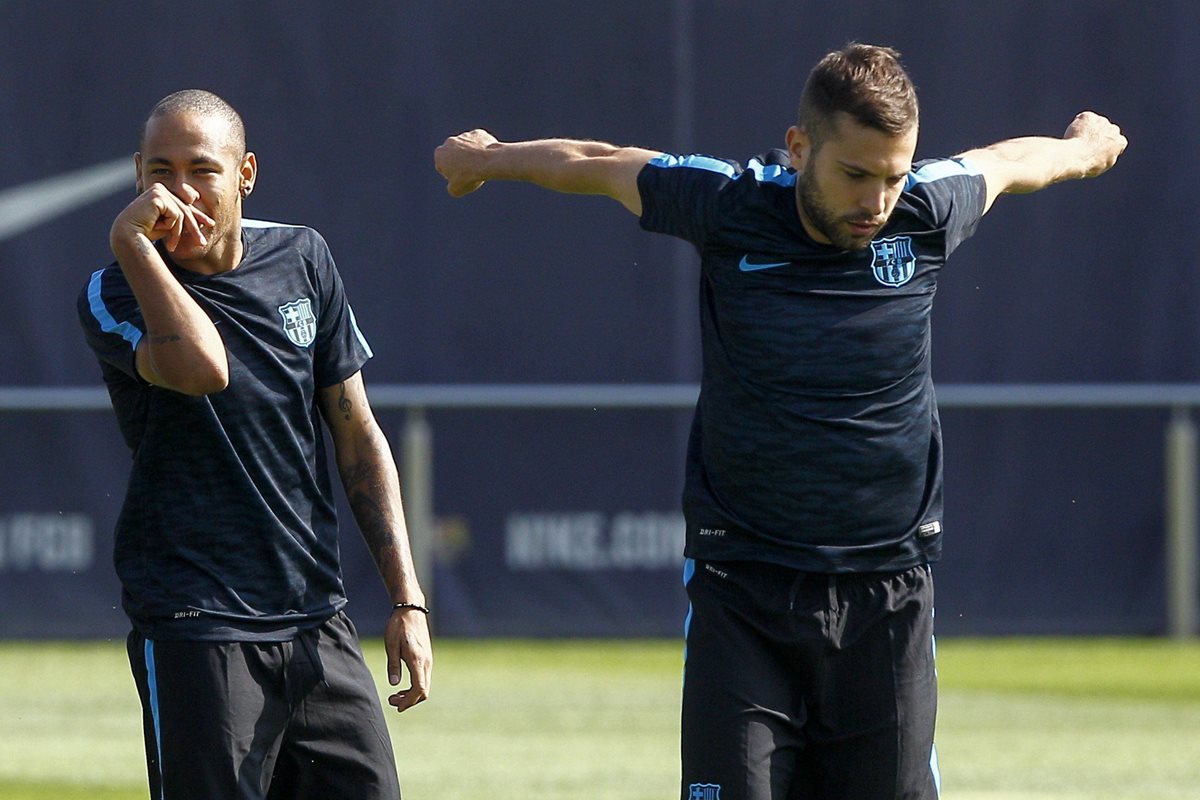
(1089, 147)
(368, 473)
(470, 159)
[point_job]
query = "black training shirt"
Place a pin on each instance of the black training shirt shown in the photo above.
(816, 441)
(228, 530)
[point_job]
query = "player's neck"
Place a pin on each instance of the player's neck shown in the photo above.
(806, 222)
(224, 255)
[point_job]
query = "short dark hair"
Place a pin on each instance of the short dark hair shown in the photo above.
(865, 81)
(205, 103)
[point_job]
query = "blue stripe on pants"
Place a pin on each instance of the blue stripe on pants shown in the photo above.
(152, 685)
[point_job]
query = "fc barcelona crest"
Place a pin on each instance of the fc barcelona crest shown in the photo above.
(892, 260)
(704, 791)
(299, 322)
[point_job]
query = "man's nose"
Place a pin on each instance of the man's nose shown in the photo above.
(874, 201)
(180, 187)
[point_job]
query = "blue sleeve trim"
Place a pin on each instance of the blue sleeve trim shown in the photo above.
(262, 223)
(358, 333)
(707, 163)
(939, 170)
(126, 330)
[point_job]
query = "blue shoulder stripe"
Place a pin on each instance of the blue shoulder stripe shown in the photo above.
(772, 173)
(666, 160)
(126, 330)
(939, 170)
(763, 173)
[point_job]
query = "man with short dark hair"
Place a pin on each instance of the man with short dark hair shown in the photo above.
(813, 494)
(223, 342)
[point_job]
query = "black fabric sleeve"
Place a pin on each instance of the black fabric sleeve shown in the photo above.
(680, 195)
(111, 319)
(340, 347)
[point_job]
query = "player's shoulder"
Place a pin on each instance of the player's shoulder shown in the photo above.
(934, 175)
(695, 165)
(284, 234)
(771, 166)
(106, 303)
(280, 240)
(103, 283)
(770, 171)
(936, 185)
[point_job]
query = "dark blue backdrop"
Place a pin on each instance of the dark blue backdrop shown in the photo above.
(1054, 519)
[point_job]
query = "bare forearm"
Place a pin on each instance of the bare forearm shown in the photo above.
(575, 166)
(562, 165)
(1089, 147)
(373, 489)
(182, 349)
(1030, 163)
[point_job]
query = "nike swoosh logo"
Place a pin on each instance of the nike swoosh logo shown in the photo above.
(25, 207)
(746, 265)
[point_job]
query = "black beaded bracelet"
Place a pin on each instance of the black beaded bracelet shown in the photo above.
(413, 606)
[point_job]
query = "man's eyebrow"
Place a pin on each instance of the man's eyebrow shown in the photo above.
(195, 161)
(859, 168)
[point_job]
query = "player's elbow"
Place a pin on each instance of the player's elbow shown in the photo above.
(182, 366)
(210, 377)
(196, 380)
(209, 384)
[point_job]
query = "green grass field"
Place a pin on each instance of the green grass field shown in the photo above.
(1020, 720)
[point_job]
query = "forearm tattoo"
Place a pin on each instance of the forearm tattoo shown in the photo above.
(145, 248)
(366, 490)
(343, 401)
(165, 338)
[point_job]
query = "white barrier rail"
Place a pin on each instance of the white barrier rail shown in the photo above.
(1180, 446)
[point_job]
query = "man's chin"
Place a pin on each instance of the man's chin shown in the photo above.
(857, 240)
(190, 249)
(854, 242)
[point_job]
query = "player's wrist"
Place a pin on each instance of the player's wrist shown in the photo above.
(406, 607)
(126, 234)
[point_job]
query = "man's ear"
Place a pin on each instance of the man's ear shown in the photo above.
(137, 173)
(247, 173)
(799, 147)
